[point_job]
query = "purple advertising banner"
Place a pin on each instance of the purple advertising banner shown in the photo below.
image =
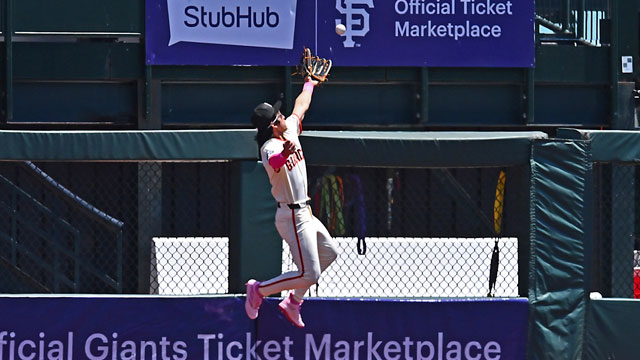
(438, 33)
(217, 328)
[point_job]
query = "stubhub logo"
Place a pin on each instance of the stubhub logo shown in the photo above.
(260, 23)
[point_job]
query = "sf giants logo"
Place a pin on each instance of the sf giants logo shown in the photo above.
(358, 17)
(294, 159)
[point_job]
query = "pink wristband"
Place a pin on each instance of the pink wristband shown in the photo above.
(308, 86)
(276, 161)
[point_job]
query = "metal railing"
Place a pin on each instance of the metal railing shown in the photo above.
(573, 21)
(29, 261)
(45, 247)
(76, 227)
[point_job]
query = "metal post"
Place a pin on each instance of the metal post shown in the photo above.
(14, 227)
(149, 218)
(119, 255)
(566, 14)
(581, 9)
(8, 43)
(288, 89)
(76, 261)
(529, 96)
(55, 249)
(615, 63)
(622, 179)
(152, 119)
(424, 95)
(148, 103)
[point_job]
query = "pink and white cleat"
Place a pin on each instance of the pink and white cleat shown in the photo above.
(290, 308)
(254, 299)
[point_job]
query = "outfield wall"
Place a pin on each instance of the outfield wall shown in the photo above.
(567, 177)
(215, 328)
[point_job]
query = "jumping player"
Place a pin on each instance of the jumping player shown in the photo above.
(312, 247)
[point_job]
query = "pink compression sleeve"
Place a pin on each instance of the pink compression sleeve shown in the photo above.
(308, 86)
(276, 161)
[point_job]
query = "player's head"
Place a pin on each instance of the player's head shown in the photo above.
(262, 118)
(265, 114)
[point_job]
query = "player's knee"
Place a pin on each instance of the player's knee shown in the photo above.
(312, 276)
(334, 254)
(308, 282)
(330, 258)
(331, 255)
(315, 276)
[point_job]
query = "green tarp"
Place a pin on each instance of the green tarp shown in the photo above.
(128, 145)
(339, 148)
(608, 145)
(559, 207)
(418, 149)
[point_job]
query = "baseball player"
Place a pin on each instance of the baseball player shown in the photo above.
(312, 247)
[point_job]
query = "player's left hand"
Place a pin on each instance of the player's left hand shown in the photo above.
(289, 148)
(314, 67)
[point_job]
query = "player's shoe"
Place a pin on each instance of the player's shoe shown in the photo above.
(254, 299)
(290, 308)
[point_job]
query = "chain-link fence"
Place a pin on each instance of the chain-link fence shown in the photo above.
(615, 261)
(419, 232)
(78, 227)
(418, 267)
(190, 266)
(84, 227)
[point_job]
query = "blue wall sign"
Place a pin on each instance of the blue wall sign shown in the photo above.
(437, 33)
(215, 328)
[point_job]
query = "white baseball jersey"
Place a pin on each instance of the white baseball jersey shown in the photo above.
(311, 245)
(289, 183)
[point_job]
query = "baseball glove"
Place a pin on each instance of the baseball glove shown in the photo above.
(314, 67)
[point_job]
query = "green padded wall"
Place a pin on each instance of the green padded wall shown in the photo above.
(560, 237)
(613, 330)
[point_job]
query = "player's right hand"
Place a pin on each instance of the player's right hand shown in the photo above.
(289, 148)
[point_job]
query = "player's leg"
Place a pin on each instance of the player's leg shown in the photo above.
(291, 226)
(308, 264)
(327, 252)
(298, 230)
(327, 246)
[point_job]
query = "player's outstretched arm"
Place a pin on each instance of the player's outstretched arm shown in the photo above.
(303, 101)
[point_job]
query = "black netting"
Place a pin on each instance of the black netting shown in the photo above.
(78, 227)
(428, 232)
(615, 262)
(163, 228)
